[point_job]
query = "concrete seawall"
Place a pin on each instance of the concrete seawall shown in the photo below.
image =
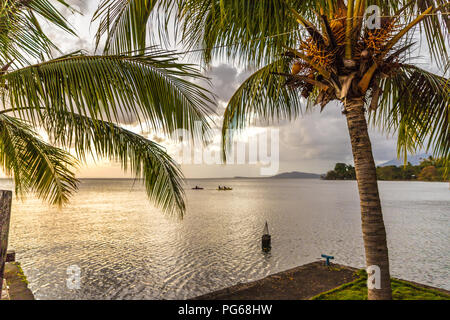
(301, 283)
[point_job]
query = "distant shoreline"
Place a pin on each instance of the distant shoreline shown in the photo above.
(244, 178)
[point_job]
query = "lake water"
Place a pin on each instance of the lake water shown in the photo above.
(127, 249)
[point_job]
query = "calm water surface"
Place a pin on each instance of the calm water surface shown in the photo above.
(127, 249)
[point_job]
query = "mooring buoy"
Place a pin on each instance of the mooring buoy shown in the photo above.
(266, 239)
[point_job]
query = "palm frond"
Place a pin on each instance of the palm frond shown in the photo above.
(35, 165)
(434, 29)
(152, 87)
(125, 23)
(256, 31)
(144, 158)
(246, 30)
(416, 105)
(47, 11)
(21, 36)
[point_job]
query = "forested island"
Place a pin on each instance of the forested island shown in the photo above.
(429, 169)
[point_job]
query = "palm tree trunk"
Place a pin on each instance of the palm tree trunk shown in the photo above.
(374, 232)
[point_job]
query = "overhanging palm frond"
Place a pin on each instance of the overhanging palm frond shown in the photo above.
(248, 30)
(144, 158)
(35, 165)
(125, 23)
(263, 95)
(21, 36)
(416, 104)
(436, 28)
(46, 10)
(152, 87)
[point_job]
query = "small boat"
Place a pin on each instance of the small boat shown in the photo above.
(197, 188)
(224, 188)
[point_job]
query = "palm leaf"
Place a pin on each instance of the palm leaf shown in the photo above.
(124, 23)
(256, 31)
(416, 105)
(21, 36)
(47, 11)
(152, 87)
(245, 30)
(35, 165)
(434, 29)
(144, 158)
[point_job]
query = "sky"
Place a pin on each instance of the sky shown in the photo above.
(313, 143)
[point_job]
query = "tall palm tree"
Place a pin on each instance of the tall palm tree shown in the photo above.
(323, 51)
(80, 101)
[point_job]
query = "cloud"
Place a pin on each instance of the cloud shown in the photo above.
(80, 21)
(324, 137)
(224, 79)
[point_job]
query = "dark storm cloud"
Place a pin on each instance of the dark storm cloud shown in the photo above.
(225, 80)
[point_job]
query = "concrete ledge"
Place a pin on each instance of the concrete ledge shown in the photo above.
(301, 283)
(17, 282)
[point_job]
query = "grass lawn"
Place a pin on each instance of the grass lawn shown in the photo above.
(401, 290)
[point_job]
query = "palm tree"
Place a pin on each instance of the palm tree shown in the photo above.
(80, 101)
(322, 51)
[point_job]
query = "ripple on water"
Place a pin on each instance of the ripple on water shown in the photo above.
(127, 249)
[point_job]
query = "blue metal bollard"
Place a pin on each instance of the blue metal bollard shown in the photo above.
(327, 262)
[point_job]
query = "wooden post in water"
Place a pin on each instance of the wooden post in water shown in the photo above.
(5, 215)
(266, 239)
